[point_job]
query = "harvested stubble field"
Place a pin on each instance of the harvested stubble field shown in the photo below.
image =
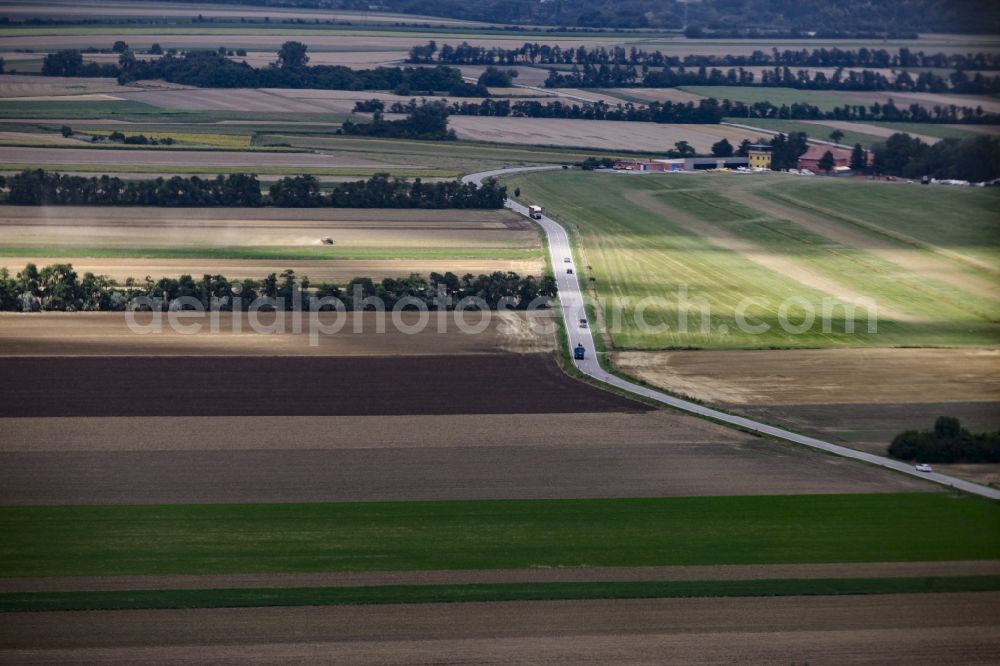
(601, 134)
(177, 159)
(822, 376)
(890, 629)
(363, 334)
(253, 242)
(21, 85)
(109, 227)
(260, 101)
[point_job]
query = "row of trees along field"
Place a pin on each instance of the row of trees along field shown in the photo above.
(948, 442)
(614, 76)
(43, 188)
(533, 53)
(212, 69)
(59, 287)
(706, 111)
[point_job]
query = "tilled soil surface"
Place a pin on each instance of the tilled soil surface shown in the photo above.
(885, 629)
(549, 468)
(295, 386)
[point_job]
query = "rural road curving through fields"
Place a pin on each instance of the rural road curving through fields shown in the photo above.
(571, 300)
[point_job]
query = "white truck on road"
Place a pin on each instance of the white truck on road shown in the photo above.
(535, 212)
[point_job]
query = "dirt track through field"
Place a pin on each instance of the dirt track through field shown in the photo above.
(782, 264)
(487, 576)
(885, 629)
(295, 386)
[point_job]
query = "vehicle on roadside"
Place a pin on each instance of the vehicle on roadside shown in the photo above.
(535, 212)
(327, 240)
(924, 467)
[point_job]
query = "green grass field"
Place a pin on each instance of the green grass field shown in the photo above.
(90, 109)
(961, 219)
(637, 235)
(370, 536)
(777, 96)
(424, 594)
(940, 131)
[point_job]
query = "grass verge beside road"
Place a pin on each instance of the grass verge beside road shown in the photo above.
(423, 594)
(374, 536)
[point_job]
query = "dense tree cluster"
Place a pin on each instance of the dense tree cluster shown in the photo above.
(785, 149)
(533, 53)
(948, 442)
(427, 121)
(610, 76)
(41, 188)
(59, 287)
(70, 63)
(497, 78)
(976, 159)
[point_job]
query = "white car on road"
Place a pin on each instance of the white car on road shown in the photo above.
(924, 467)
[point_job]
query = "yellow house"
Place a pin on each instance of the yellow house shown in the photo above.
(760, 156)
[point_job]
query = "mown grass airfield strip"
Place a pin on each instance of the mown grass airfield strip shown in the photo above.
(650, 236)
(370, 536)
(435, 594)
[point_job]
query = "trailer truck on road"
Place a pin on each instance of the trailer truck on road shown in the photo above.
(535, 212)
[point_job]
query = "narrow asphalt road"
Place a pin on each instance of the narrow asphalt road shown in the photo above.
(572, 301)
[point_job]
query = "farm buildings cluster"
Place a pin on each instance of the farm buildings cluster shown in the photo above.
(758, 158)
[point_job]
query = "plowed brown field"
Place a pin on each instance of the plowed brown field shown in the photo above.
(295, 386)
